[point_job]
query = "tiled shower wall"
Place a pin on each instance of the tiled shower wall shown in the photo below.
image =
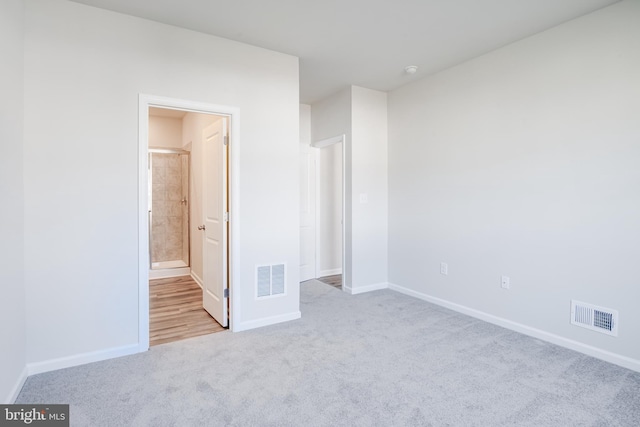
(169, 214)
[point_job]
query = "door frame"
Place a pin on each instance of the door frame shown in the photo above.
(319, 145)
(233, 113)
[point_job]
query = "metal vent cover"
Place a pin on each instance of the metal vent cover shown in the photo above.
(277, 279)
(270, 280)
(263, 280)
(593, 317)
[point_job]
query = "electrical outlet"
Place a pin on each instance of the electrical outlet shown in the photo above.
(444, 268)
(505, 282)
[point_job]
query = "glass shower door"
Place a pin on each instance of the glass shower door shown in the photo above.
(169, 213)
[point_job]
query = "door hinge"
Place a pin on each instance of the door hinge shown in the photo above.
(226, 140)
(225, 293)
(226, 216)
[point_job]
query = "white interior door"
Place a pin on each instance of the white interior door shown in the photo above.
(307, 213)
(214, 251)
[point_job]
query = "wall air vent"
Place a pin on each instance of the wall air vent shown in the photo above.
(596, 318)
(270, 280)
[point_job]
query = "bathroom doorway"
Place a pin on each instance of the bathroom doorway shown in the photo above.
(188, 198)
(218, 286)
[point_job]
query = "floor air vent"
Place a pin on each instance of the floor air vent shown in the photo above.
(596, 318)
(270, 280)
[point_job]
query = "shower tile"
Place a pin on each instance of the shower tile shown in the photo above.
(159, 232)
(158, 220)
(174, 192)
(158, 192)
(159, 160)
(184, 179)
(158, 175)
(156, 204)
(173, 161)
(174, 254)
(174, 240)
(162, 255)
(174, 225)
(173, 178)
(157, 250)
(158, 209)
(185, 240)
(175, 208)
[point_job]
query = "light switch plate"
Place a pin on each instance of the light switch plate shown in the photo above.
(444, 268)
(505, 282)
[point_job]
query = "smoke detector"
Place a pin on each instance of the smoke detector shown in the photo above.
(411, 69)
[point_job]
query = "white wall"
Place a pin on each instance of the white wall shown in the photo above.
(305, 124)
(369, 177)
(331, 116)
(192, 126)
(81, 178)
(165, 132)
(12, 302)
(329, 210)
(361, 115)
(307, 198)
(524, 162)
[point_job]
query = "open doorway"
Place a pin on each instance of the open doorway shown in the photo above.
(187, 195)
(322, 227)
(187, 188)
(329, 213)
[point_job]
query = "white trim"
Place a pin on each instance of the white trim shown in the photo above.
(169, 272)
(266, 321)
(197, 279)
(316, 214)
(607, 356)
(143, 224)
(366, 288)
(81, 359)
(343, 139)
(327, 142)
(15, 391)
(325, 273)
(144, 102)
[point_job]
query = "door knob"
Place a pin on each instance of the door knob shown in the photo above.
(201, 227)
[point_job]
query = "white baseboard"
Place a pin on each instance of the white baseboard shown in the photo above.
(367, 288)
(325, 273)
(197, 279)
(266, 321)
(598, 353)
(169, 272)
(81, 359)
(15, 391)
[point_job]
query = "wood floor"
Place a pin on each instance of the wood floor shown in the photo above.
(175, 311)
(335, 281)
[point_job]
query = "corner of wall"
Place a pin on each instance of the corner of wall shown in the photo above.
(13, 307)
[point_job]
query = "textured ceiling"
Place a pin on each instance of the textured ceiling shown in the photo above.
(363, 42)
